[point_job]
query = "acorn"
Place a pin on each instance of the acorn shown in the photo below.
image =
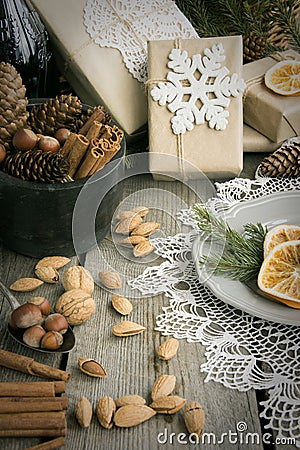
(62, 135)
(49, 144)
(33, 336)
(26, 315)
(2, 153)
(52, 340)
(24, 140)
(56, 322)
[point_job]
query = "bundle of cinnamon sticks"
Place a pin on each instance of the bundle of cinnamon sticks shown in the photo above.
(33, 409)
(93, 146)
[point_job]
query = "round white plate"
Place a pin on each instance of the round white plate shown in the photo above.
(275, 209)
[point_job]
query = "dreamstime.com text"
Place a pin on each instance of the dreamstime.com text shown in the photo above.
(239, 436)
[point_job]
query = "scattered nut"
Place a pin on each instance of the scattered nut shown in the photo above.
(169, 404)
(52, 340)
(91, 367)
(106, 408)
(194, 418)
(26, 284)
(53, 261)
(168, 349)
(84, 412)
(145, 229)
(163, 386)
(127, 328)
(121, 304)
(143, 249)
(47, 274)
(131, 415)
(130, 400)
(110, 279)
(127, 225)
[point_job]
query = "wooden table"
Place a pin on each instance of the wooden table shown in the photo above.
(131, 363)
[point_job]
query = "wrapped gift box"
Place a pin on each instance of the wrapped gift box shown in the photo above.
(216, 153)
(275, 116)
(97, 74)
(253, 141)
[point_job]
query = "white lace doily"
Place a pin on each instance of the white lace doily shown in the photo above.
(127, 25)
(235, 353)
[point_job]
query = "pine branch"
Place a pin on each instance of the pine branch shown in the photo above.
(284, 15)
(242, 255)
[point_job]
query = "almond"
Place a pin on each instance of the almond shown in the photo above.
(53, 261)
(26, 284)
(127, 328)
(131, 415)
(110, 279)
(131, 241)
(169, 404)
(163, 386)
(126, 214)
(168, 349)
(127, 225)
(106, 408)
(130, 400)
(194, 418)
(121, 304)
(145, 229)
(143, 249)
(47, 274)
(91, 367)
(141, 210)
(84, 412)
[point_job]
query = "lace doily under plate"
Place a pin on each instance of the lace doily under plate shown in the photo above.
(235, 353)
(129, 24)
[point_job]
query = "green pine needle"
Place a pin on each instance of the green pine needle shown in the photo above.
(242, 255)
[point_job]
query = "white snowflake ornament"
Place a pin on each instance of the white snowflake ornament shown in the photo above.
(197, 89)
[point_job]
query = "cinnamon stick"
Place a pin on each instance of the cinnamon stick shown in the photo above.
(33, 433)
(31, 388)
(98, 115)
(77, 152)
(94, 131)
(33, 421)
(49, 445)
(32, 404)
(66, 148)
(90, 162)
(29, 365)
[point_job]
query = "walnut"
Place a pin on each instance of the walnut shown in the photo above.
(76, 305)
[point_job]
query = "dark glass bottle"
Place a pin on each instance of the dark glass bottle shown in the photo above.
(24, 43)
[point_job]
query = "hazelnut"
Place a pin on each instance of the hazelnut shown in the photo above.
(62, 135)
(52, 340)
(27, 315)
(56, 322)
(11, 322)
(33, 336)
(24, 139)
(2, 153)
(43, 303)
(49, 144)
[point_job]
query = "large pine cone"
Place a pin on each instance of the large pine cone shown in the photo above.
(283, 163)
(64, 111)
(13, 103)
(35, 165)
(254, 47)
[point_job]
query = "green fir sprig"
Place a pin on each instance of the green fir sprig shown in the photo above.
(242, 254)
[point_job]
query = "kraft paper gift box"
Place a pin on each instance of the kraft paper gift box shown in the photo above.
(255, 142)
(275, 116)
(216, 153)
(97, 74)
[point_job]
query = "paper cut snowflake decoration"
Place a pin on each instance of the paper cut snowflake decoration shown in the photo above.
(197, 89)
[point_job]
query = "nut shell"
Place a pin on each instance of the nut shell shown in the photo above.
(27, 315)
(76, 305)
(43, 303)
(76, 277)
(24, 139)
(91, 367)
(52, 340)
(49, 144)
(56, 322)
(32, 336)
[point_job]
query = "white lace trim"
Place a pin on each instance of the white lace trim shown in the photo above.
(236, 343)
(127, 25)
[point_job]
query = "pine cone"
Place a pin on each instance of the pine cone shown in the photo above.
(253, 47)
(283, 163)
(64, 111)
(13, 103)
(36, 165)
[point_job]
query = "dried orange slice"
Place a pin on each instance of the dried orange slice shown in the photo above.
(279, 234)
(284, 78)
(279, 275)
